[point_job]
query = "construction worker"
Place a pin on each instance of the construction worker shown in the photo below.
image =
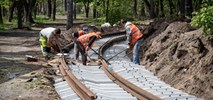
(134, 38)
(46, 39)
(85, 42)
(75, 36)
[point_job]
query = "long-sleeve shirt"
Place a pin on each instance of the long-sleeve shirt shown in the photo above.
(92, 40)
(128, 31)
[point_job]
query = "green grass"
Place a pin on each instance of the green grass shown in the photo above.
(43, 19)
(11, 25)
(8, 25)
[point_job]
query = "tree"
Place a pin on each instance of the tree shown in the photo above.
(161, 8)
(204, 19)
(94, 9)
(188, 8)
(142, 9)
(1, 20)
(171, 7)
(74, 9)
(135, 8)
(20, 10)
(54, 9)
(49, 11)
(69, 14)
(65, 5)
(107, 11)
(86, 6)
(28, 6)
(11, 9)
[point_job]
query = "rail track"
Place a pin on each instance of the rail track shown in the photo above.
(115, 79)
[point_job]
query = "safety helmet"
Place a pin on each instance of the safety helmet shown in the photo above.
(85, 29)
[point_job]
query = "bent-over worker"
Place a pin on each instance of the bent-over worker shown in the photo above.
(75, 36)
(85, 42)
(46, 39)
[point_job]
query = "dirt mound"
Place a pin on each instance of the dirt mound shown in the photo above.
(181, 57)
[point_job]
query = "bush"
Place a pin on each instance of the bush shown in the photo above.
(204, 20)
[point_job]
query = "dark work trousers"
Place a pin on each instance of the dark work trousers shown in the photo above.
(76, 51)
(82, 51)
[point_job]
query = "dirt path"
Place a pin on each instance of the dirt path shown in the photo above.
(20, 79)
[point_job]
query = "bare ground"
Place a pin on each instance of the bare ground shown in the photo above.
(20, 79)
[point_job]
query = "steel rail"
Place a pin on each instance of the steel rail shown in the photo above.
(81, 90)
(138, 92)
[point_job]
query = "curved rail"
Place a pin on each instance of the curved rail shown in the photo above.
(83, 92)
(128, 86)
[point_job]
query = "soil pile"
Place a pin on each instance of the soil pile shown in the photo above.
(180, 56)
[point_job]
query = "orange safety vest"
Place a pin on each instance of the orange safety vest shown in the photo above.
(136, 33)
(80, 33)
(84, 39)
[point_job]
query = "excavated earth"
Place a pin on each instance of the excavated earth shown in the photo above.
(180, 56)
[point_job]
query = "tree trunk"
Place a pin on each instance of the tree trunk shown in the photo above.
(135, 8)
(4, 11)
(181, 4)
(143, 9)
(1, 20)
(107, 11)
(11, 9)
(31, 6)
(157, 8)
(147, 4)
(74, 9)
(26, 9)
(197, 4)
(19, 9)
(161, 8)
(87, 9)
(69, 14)
(54, 9)
(65, 5)
(188, 8)
(94, 9)
(104, 7)
(152, 9)
(35, 11)
(49, 11)
(171, 7)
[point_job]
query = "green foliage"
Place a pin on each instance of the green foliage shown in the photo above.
(204, 19)
(98, 21)
(43, 19)
(9, 25)
(119, 10)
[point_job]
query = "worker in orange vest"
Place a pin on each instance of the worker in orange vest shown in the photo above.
(135, 38)
(85, 42)
(75, 36)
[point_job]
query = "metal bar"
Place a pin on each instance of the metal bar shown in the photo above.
(100, 56)
(116, 55)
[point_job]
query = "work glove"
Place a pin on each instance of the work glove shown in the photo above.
(128, 47)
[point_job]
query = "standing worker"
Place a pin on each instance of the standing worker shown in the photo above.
(46, 37)
(135, 38)
(75, 36)
(85, 42)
